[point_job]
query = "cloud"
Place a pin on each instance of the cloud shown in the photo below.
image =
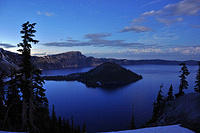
(95, 43)
(172, 13)
(150, 13)
(5, 45)
(182, 8)
(196, 26)
(176, 50)
(95, 36)
(135, 28)
(48, 14)
(187, 50)
(40, 54)
(96, 40)
(164, 35)
(72, 41)
(139, 20)
(69, 37)
(169, 21)
(151, 3)
(169, 53)
(146, 50)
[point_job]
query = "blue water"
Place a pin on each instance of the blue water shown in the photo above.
(104, 110)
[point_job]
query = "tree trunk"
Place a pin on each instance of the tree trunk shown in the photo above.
(34, 129)
(24, 115)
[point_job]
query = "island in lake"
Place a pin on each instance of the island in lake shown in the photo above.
(106, 75)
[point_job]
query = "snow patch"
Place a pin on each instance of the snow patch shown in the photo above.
(10, 132)
(159, 129)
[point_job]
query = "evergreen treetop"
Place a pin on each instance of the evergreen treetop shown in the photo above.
(197, 82)
(183, 82)
(158, 105)
(170, 93)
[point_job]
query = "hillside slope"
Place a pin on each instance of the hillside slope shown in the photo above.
(185, 110)
(8, 60)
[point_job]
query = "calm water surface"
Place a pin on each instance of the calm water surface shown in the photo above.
(104, 110)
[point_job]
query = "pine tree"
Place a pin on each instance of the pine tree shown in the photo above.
(53, 120)
(84, 128)
(197, 82)
(2, 100)
(26, 74)
(2, 89)
(60, 124)
(64, 127)
(72, 125)
(183, 82)
(160, 100)
(158, 105)
(67, 126)
(13, 103)
(35, 103)
(78, 129)
(40, 102)
(170, 96)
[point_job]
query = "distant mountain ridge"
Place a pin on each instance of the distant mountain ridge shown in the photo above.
(75, 59)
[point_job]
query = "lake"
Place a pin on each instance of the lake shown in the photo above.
(108, 110)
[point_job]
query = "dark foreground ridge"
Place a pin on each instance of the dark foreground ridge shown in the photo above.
(106, 75)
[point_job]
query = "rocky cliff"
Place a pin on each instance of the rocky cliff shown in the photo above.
(73, 59)
(59, 61)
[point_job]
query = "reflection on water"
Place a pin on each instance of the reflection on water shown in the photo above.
(104, 110)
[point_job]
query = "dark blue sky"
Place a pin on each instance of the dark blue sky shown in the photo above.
(132, 29)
